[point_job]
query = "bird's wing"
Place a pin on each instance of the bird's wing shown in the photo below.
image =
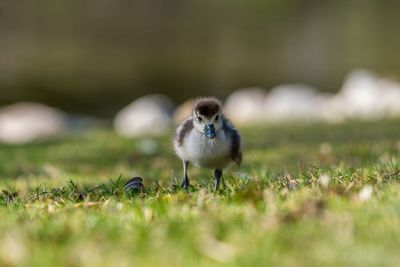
(236, 142)
(183, 130)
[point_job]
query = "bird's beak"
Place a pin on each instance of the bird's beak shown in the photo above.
(209, 130)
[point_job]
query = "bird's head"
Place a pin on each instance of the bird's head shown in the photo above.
(207, 117)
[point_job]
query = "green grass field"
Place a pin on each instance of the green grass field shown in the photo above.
(315, 195)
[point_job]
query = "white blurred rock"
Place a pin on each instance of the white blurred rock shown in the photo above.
(293, 102)
(390, 96)
(148, 115)
(364, 95)
(26, 122)
(245, 106)
(184, 110)
(332, 109)
(360, 96)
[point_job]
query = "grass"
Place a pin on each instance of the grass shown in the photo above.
(313, 195)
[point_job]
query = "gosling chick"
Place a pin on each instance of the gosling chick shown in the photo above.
(207, 139)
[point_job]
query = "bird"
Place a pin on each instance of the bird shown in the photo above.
(207, 139)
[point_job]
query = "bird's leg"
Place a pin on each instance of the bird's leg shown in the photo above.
(185, 180)
(217, 178)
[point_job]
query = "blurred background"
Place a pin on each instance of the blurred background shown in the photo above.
(271, 60)
(94, 57)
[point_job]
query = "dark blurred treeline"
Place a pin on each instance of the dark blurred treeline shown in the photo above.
(97, 55)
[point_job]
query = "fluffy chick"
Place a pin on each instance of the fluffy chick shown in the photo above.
(207, 139)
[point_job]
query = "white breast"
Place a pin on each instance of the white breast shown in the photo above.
(209, 153)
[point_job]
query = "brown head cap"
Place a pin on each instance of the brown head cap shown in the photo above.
(207, 107)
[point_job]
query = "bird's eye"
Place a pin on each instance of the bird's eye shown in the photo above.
(216, 118)
(200, 119)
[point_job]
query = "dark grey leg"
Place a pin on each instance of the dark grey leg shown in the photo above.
(217, 178)
(185, 180)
